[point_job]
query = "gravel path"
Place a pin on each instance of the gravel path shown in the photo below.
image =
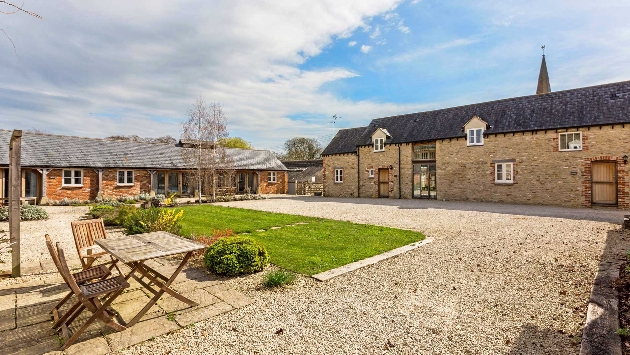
(510, 280)
(32, 242)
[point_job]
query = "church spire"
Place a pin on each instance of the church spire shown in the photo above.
(543, 77)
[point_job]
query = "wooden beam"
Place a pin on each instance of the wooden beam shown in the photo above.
(15, 177)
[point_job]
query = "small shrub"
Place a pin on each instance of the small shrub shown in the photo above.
(143, 196)
(278, 278)
(123, 213)
(623, 332)
(236, 256)
(27, 213)
(152, 220)
(130, 202)
(209, 240)
(107, 212)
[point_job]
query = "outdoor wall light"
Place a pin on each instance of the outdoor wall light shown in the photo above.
(625, 159)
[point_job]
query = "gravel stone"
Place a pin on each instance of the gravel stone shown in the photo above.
(501, 281)
(497, 279)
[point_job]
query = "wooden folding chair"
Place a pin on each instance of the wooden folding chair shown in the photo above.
(85, 233)
(81, 277)
(88, 295)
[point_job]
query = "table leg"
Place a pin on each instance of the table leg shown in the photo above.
(164, 287)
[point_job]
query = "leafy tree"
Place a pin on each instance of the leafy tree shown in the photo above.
(301, 148)
(235, 142)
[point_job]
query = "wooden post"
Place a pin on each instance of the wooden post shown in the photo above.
(15, 177)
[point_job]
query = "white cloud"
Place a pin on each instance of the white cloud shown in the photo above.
(92, 69)
(424, 51)
(376, 33)
(402, 28)
(352, 43)
(366, 49)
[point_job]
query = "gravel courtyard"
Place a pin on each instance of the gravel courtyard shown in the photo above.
(508, 280)
(497, 279)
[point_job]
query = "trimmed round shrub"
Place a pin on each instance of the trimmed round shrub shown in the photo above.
(236, 256)
(27, 213)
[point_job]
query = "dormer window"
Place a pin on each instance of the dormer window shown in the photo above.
(475, 136)
(379, 144)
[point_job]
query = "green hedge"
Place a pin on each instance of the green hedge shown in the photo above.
(236, 256)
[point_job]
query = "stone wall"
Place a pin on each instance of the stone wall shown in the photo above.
(369, 159)
(542, 173)
(347, 188)
(279, 187)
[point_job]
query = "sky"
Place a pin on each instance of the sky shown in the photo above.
(282, 69)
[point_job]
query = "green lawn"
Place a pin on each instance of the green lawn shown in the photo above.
(318, 245)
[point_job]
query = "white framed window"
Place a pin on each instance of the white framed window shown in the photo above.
(504, 173)
(72, 178)
(379, 144)
(371, 173)
(338, 175)
(570, 141)
(475, 136)
(125, 177)
(271, 176)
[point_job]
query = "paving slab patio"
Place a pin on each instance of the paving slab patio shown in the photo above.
(25, 321)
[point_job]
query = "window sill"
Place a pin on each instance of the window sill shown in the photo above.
(504, 182)
(71, 185)
(474, 145)
(272, 182)
(125, 185)
(570, 150)
(338, 182)
(379, 151)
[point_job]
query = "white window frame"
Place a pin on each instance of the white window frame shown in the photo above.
(505, 167)
(472, 134)
(126, 178)
(560, 148)
(271, 177)
(371, 173)
(379, 144)
(338, 176)
(73, 177)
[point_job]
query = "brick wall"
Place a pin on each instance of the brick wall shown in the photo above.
(542, 174)
(347, 188)
(278, 187)
(55, 190)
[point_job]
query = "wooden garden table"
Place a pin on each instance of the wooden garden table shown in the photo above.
(134, 250)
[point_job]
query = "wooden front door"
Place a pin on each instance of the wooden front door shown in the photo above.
(383, 182)
(604, 183)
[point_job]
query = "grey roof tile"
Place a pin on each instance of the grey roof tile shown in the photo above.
(589, 106)
(47, 150)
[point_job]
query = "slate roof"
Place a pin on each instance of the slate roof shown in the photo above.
(589, 106)
(47, 150)
(306, 174)
(345, 141)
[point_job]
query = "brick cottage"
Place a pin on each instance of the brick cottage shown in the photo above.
(566, 148)
(58, 167)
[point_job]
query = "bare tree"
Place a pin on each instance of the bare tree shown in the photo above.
(13, 10)
(205, 126)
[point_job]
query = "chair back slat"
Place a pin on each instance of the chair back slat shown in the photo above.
(86, 232)
(55, 256)
(65, 272)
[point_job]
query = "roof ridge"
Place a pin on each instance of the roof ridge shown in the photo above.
(86, 138)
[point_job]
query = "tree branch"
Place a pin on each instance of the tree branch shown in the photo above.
(18, 9)
(14, 49)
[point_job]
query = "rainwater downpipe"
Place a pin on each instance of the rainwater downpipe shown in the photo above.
(399, 187)
(358, 174)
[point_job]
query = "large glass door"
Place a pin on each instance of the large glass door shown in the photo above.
(30, 184)
(424, 181)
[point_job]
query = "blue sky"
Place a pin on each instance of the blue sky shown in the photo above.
(282, 69)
